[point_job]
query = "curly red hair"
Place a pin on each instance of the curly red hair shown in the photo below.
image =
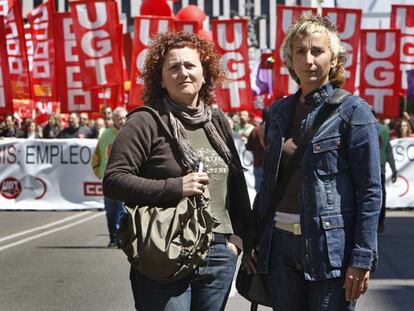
(158, 49)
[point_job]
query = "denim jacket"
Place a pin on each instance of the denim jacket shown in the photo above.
(340, 190)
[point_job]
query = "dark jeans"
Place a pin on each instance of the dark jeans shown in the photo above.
(382, 213)
(206, 289)
(287, 285)
(114, 212)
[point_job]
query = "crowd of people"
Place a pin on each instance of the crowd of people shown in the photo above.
(73, 125)
(79, 125)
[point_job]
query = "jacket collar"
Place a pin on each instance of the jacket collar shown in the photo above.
(319, 96)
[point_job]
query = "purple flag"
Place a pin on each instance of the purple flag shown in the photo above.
(410, 84)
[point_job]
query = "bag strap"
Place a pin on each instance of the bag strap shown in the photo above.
(157, 117)
(335, 99)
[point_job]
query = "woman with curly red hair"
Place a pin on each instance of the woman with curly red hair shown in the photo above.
(149, 166)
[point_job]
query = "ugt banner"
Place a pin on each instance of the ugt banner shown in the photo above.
(379, 75)
(402, 17)
(48, 174)
(230, 38)
(145, 27)
(16, 49)
(6, 103)
(283, 84)
(96, 27)
(42, 24)
(72, 96)
(348, 22)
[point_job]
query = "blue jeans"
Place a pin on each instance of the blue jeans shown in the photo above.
(287, 286)
(114, 212)
(207, 288)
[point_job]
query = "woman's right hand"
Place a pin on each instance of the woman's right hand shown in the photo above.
(249, 263)
(194, 184)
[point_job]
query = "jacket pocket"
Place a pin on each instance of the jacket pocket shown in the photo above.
(337, 229)
(326, 155)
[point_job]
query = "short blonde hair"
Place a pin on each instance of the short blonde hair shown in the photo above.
(306, 25)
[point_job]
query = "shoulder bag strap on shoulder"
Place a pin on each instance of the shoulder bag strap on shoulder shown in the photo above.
(157, 117)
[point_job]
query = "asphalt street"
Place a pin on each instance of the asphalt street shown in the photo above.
(59, 261)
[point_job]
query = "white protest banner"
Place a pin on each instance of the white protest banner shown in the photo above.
(401, 193)
(48, 174)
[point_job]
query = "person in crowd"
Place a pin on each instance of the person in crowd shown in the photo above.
(2, 124)
(107, 115)
(244, 128)
(97, 129)
(51, 129)
(11, 130)
(403, 129)
(318, 250)
(31, 129)
(256, 144)
(386, 156)
(147, 166)
(114, 209)
(235, 117)
(74, 130)
(409, 118)
(84, 120)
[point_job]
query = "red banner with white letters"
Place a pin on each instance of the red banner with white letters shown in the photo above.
(402, 18)
(380, 76)
(186, 26)
(230, 38)
(145, 27)
(6, 103)
(348, 22)
(96, 27)
(283, 84)
(16, 49)
(43, 68)
(29, 46)
(72, 96)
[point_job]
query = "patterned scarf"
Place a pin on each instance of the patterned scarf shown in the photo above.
(196, 117)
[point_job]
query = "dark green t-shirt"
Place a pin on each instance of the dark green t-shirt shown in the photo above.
(218, 172)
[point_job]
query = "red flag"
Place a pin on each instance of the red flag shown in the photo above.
(380, 76)
(29, 46)
(187, 26)
(110, 96)
(72, 96)
(6, 103)
(230, 38)
(283, 84)
(145, 27)
(402, 17)
(348, 22)
(96, 26)
(16, 49)
(42, 24)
